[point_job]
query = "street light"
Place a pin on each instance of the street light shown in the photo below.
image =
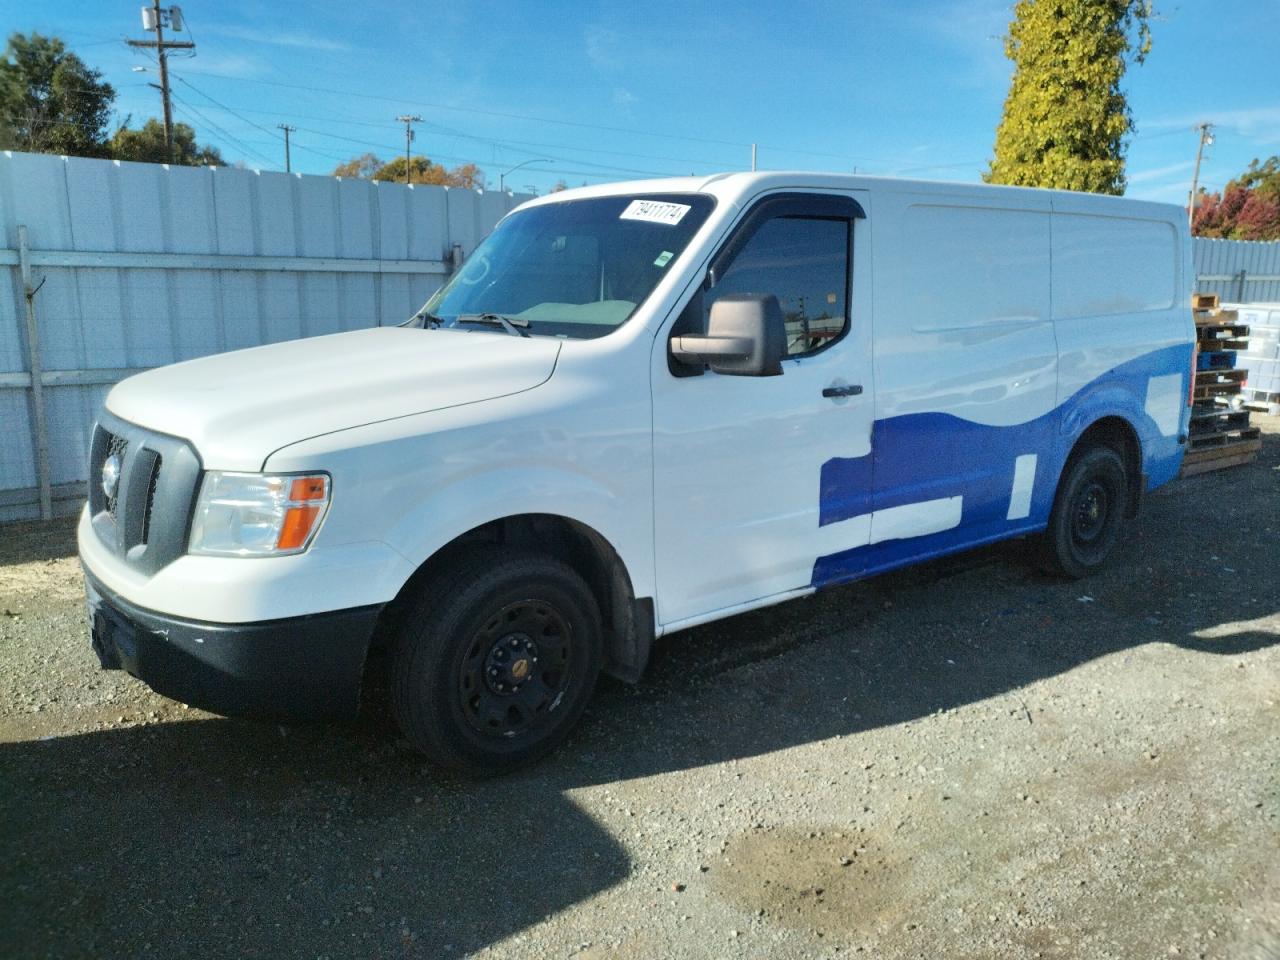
(502, 177)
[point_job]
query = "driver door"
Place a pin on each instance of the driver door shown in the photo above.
(758, 478)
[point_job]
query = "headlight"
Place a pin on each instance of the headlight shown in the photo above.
(257, 515)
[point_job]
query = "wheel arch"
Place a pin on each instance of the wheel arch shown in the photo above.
(628, 621)
(1118, 433)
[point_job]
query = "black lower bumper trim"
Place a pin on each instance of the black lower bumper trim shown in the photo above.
(301, 668)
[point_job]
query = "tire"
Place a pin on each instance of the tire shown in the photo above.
(495, 661)
(1088, 513)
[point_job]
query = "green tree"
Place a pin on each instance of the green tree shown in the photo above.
(424, 171)
(146, 145)
(50, 102)
(1065, 117)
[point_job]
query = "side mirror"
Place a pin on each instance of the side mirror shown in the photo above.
(746, 337)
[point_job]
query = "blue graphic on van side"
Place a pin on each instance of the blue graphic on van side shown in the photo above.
(928, 456)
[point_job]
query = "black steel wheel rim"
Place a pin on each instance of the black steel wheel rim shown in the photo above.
(516, 670)
(1090, 514)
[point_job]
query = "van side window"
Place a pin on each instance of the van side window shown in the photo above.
(804, 262)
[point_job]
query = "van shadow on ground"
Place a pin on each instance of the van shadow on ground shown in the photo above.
(227, 838)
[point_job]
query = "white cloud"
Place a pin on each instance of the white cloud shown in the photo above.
(1261, 124)
(280, 38)
(602, 47)
(623, 97)
(231, 65)
(1158, 173)
(1161, 193)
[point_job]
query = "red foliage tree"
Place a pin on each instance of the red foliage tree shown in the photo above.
(1247, 209)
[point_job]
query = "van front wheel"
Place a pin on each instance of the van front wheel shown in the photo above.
(1088, 513)
(495, 660)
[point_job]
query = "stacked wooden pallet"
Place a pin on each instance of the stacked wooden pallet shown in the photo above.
(1220, 435)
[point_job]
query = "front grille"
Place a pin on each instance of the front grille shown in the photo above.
(117, 447)
(151, 499)
(144, 517)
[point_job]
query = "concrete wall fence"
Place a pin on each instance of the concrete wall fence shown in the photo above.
(135, 265)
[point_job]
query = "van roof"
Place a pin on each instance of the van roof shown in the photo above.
(741, 186)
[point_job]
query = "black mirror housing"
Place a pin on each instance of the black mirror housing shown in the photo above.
(746, 337)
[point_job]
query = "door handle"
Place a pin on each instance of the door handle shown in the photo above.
(852, 390)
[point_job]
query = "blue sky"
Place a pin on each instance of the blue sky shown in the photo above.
(614, 90)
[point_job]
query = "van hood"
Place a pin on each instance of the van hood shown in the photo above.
(238, 408)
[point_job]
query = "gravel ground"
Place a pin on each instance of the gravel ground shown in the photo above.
(965, 759)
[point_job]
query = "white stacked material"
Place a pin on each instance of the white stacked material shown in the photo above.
(1262, 359)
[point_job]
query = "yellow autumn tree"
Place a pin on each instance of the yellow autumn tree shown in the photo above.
(1065, 118)
(368, 166)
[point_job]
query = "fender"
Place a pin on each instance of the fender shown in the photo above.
(1149, 393)
(471, 501)
(1103, 400)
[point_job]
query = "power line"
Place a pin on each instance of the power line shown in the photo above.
(798, 151)
(221, 132)
(443, 156)
(223, 106)
(193, 113)
(504, 144)
(517, 145)
(257, 126)
(243, 145)
(537, 119)
(476, 110)
(598, 174)
(579, 160)
(98, 43)
(609, 167)
(717, 164)
(451, 131)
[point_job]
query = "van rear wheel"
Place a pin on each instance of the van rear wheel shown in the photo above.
(1088, 513)
(495, 660)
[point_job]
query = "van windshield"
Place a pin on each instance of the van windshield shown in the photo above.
(578, 268)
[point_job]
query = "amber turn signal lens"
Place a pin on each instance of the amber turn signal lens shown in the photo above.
(298, 522)
(308, 497)
(307, 488)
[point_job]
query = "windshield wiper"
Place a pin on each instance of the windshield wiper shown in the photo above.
(428, 321)
(516, 326)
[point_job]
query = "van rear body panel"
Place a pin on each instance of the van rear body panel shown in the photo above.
(1006, 323)
(987, 483)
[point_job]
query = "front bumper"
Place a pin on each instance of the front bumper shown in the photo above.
(300, 668)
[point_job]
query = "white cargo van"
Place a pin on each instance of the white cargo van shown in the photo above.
(636, 408)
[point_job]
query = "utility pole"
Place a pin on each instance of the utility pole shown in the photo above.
(408, 120)
(287, 130)
(154, 19)
(1206, 139)
(753, 158)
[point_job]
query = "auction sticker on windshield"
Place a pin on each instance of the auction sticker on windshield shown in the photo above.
(655, 211)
